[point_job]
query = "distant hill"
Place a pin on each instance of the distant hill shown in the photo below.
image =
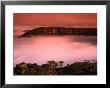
(60, 31)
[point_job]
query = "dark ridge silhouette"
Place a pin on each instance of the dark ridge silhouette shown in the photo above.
(57, 68)
(60, 31)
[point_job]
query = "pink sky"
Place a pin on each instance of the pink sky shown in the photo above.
(56, 19)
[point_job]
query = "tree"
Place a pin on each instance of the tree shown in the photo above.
(61, 63)
(52, 63)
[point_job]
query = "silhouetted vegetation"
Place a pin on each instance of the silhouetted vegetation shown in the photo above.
(57, 68)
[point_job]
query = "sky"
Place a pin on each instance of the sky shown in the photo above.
(56, 19)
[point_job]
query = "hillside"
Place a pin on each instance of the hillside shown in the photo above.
(60, 31)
